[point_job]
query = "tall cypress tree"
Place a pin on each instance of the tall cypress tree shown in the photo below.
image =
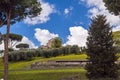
(100, 50)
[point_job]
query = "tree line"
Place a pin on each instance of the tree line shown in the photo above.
(23, 55)
(12, 11)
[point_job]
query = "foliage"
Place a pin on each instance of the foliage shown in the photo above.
(100, 50)
(66, 50)
(75, 49)
(26, 63)
(18, 10)
(83, 49)
(57, 42)
(46, 53)
(12, 11)
(10, 49)
(113, 6)
(22, 46)
(13, 39)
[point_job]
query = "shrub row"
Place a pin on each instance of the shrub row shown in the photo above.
(46, 53)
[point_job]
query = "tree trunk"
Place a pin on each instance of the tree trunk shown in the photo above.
(6, 41)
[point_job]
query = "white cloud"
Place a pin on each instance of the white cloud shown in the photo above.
(24, 40)
(116, 28)
(82, 0)
(78, 36)
(67, 10)
(47, 10)
(43, 35)
(97, 7)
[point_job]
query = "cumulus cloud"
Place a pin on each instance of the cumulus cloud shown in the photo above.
(24, 40)
(43, 35)
(47, 10)
(97, 7)
(77, 36)
(67, 10)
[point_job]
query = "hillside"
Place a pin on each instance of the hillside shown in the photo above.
(116, 34)
(26, 64)
(20, 70)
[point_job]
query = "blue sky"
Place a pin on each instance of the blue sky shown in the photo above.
(67, 19)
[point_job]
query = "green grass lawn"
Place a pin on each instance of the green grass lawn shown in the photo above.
(118, 55)
(45, 74)
(26, 64)
(53, 74)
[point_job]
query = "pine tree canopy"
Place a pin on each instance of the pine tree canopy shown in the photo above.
(100, 50)
(18, 9)
(12, 11)
(113, 6)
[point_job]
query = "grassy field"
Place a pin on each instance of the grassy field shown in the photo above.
(57, 74)
(19, 70)
(46, 74)
(26, 64)
(116, 35)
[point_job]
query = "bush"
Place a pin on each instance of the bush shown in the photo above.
(45, 53)
(23, 55)
(19, 56)
(75, 49)
(55, 52)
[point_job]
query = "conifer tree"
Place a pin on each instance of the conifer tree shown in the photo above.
(113, 6)
(100, 50)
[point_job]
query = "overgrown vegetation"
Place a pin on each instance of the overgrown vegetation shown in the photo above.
(25, 64)
(24, 55)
